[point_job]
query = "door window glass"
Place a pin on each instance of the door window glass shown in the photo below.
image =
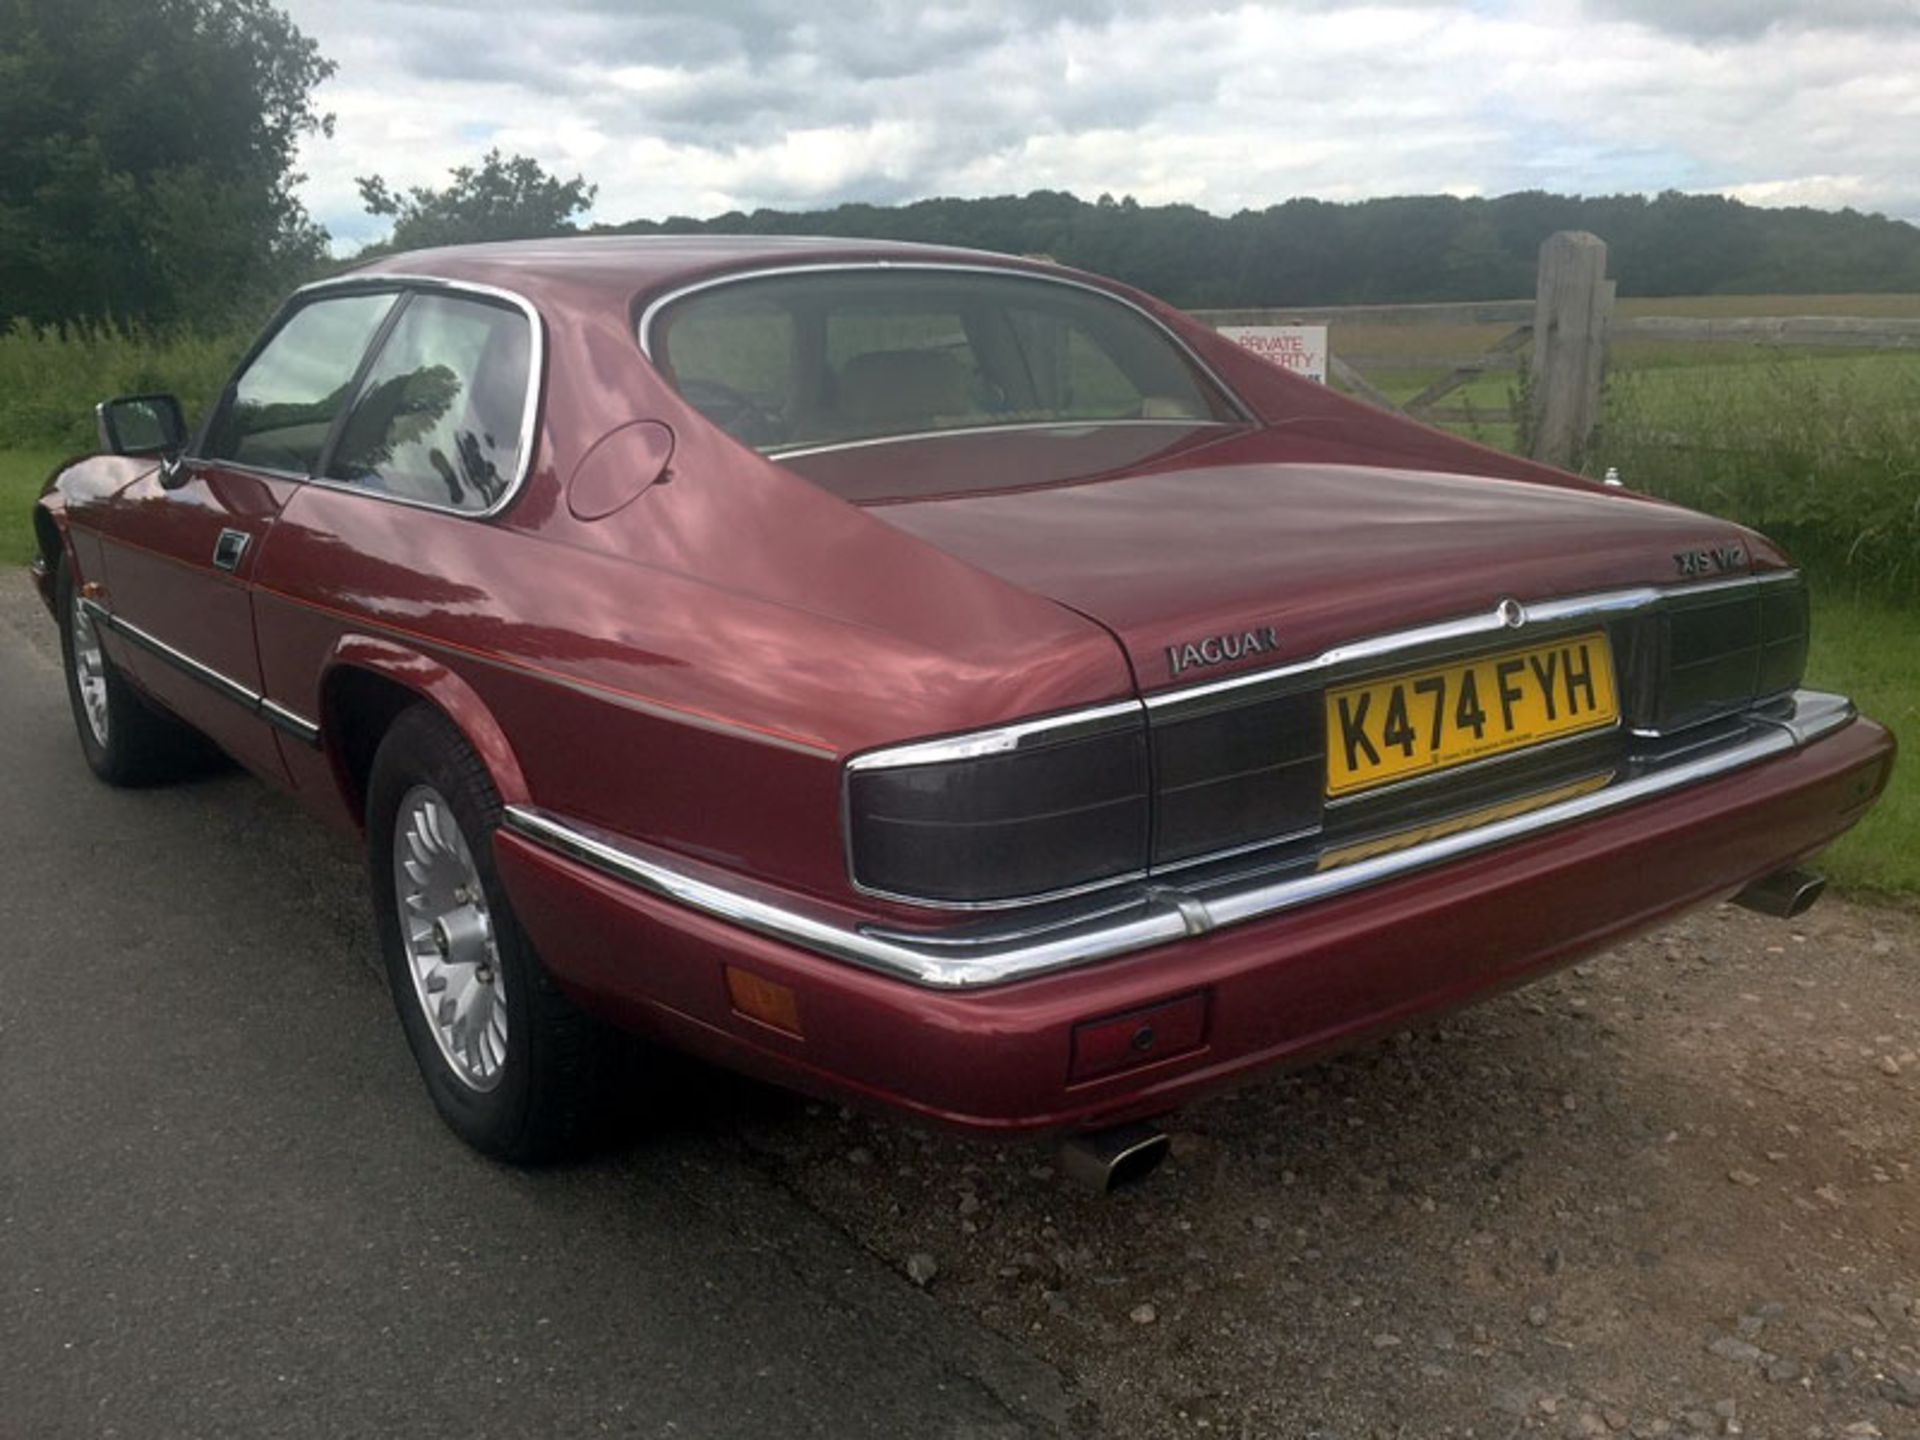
(439, 418)
(285, 401)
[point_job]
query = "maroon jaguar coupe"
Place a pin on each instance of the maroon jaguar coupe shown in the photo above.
(922, 677)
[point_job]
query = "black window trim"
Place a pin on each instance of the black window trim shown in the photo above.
(357, 383)
(403, 286)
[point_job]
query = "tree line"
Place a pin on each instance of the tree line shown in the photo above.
(1403, 249)
(147, 180)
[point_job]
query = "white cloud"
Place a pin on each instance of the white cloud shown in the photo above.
(695, 106)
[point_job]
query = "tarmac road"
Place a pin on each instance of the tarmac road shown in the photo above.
(226, 1207)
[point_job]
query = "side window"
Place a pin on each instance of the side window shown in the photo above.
(285, 401)
(734, 360)
(1074, 375)
(440, 415)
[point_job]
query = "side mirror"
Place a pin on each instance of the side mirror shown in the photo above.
(141, 425)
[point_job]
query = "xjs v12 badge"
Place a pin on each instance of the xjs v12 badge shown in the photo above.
(1728, 559)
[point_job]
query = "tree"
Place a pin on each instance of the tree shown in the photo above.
(147, 174)
(504, 199)
(1397, 249)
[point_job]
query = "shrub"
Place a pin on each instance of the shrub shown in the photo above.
(51, 378)
(1820, 453)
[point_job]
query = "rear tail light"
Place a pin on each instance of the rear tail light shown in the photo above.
(1722, 651)
(1058, 811)
(1237, 775)
(1784, 629)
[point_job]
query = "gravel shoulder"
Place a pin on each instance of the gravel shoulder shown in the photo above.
(1668, 1192)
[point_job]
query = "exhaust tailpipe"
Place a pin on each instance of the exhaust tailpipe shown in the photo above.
(1104, 1160)
(1783, 894)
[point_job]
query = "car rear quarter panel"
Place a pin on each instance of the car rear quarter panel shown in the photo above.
(689, 670)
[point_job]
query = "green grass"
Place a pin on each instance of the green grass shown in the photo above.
(22, 473)
(1819, 449)
(1870, 650)
(1820, 453)
(50, 380)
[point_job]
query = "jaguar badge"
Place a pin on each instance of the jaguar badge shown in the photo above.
(1218, 649)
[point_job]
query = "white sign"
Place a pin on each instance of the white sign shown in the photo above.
(1299, 348)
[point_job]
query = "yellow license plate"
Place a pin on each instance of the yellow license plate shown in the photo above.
(1424, 721)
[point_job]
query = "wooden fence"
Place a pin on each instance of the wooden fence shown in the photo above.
(1559, 340)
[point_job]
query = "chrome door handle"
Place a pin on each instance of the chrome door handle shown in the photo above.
(228, 549)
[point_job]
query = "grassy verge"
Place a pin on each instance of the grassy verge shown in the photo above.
(1870, 650)
(50, 380)
(22, 472)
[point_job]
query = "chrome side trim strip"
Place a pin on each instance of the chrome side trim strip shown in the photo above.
(1004, 739)
(674, 879)
(1151, 915)
(214, 679)
(218, 681)
(1105, 885)
(298, 726)
(800, 452)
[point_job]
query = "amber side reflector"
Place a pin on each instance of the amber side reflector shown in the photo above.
(1139, 1037)
(760, 999)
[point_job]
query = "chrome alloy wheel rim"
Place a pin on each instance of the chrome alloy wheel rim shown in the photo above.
(90, 672)
(452, 955)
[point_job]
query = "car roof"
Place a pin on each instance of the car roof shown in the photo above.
(623, 267)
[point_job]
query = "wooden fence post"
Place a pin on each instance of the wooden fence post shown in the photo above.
(1573, 306)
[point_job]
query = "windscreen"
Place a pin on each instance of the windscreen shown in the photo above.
(811, 359)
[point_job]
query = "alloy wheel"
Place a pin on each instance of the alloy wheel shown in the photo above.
(452, 955)
(90, 672)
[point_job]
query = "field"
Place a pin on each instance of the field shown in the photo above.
(1819, 449)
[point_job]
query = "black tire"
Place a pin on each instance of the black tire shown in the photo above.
(547, 1100)
(141, 745)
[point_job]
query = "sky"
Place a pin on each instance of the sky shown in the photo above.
(695, 107)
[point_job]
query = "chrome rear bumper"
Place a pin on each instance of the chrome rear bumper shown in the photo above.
(1137, 916)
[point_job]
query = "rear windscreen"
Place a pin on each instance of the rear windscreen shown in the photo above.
(813, 359)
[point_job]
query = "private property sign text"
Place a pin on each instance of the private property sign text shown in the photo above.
(1299, 348)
